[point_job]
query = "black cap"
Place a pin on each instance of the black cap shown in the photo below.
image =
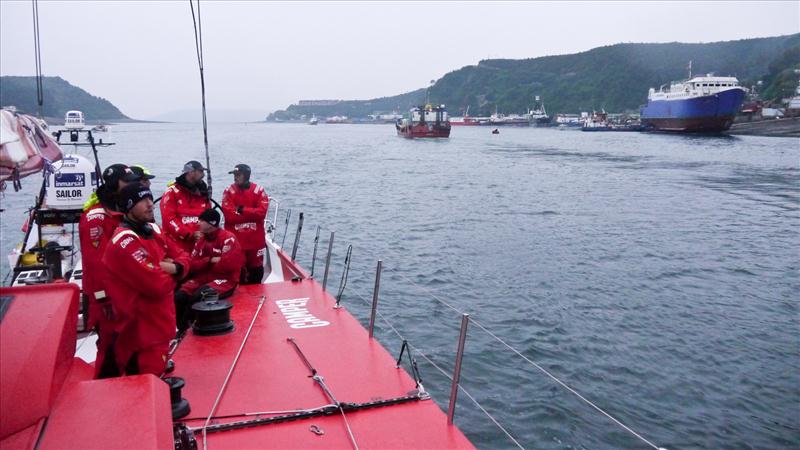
(211, 216)
(192, 165)
(241, 168)
(132, 194)
(116, 172)
(142, 173)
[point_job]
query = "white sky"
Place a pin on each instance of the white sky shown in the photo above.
(265, 55)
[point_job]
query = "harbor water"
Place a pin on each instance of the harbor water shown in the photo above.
(657, 275)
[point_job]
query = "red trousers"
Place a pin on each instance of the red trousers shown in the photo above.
(254, 257)
(152, 359)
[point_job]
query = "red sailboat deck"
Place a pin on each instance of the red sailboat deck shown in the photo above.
(270, 377)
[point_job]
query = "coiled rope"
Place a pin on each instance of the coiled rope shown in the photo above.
(529, 361)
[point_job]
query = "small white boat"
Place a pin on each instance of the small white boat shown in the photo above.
(313, 120)
(74, 120)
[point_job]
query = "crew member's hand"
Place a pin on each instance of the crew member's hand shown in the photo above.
(108, 311)
(214, 260)
(168, 259)
(197, 235)
(168, 267)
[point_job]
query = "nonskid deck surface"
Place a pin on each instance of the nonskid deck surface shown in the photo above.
(271, 376)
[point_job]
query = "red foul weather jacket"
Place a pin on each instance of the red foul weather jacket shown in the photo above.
(141, 292)
(249, 225)
(180, 206)
(222, 244)
(95, 229)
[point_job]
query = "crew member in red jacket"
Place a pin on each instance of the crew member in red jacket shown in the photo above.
(182, 203)
(97, 224)
(216, 265)
(143, 267)
(245, 206)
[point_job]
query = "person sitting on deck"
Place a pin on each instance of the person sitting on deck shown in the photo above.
(245, 206)
(216, 264)
(183, 201)
(143, 267)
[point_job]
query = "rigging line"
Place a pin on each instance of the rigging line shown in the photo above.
(542, 369)
(230, 372)
(462, 388)
(321, 383)
(38, 52)
(349, 430)
(198, 43)
(263, 413)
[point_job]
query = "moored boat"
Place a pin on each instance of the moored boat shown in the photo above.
(598, 121)
(73, 120)
(700, 104)
(429, 121)
(538, 115)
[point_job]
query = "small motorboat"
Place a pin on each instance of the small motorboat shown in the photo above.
(74, 120)
(495, 131)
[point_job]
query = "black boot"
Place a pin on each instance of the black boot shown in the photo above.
(183, 310)
(255, 275)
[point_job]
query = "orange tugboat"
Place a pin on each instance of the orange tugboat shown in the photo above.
(425, 122)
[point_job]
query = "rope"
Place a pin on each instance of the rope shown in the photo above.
(460, 387)
(349, 430)
(529, 361)
(343, 281)
(198, 43)
(230, 372)
(38, 51)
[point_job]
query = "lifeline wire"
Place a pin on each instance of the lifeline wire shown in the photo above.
(230, 372)
(542, 369)
(198, 43)
(462, 388)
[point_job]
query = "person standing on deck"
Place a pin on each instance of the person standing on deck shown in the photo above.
(216, 265)
(144, 174)
(143, 269)
(183, 201)
(245, 206)
(97, 224)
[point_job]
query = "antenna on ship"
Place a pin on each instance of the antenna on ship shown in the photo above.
(198, 43)
(690, 69)
(428, 92)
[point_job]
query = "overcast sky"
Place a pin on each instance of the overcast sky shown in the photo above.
(263, 56)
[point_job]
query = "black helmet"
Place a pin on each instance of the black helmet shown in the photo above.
(243, 169)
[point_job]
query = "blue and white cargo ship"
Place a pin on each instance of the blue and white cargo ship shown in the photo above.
(700, 104)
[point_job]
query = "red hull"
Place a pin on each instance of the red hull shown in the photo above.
(424, 130)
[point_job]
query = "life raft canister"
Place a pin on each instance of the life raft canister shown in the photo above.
(72, 184)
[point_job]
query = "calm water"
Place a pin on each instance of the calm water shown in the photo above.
(658, 275)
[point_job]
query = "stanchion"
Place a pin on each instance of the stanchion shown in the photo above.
(457, 371)
(375, 297)
(328, 261)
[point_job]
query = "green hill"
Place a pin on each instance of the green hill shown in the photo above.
(59, 97)
(615, 77)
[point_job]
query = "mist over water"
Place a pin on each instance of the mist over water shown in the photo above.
(657, 275)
